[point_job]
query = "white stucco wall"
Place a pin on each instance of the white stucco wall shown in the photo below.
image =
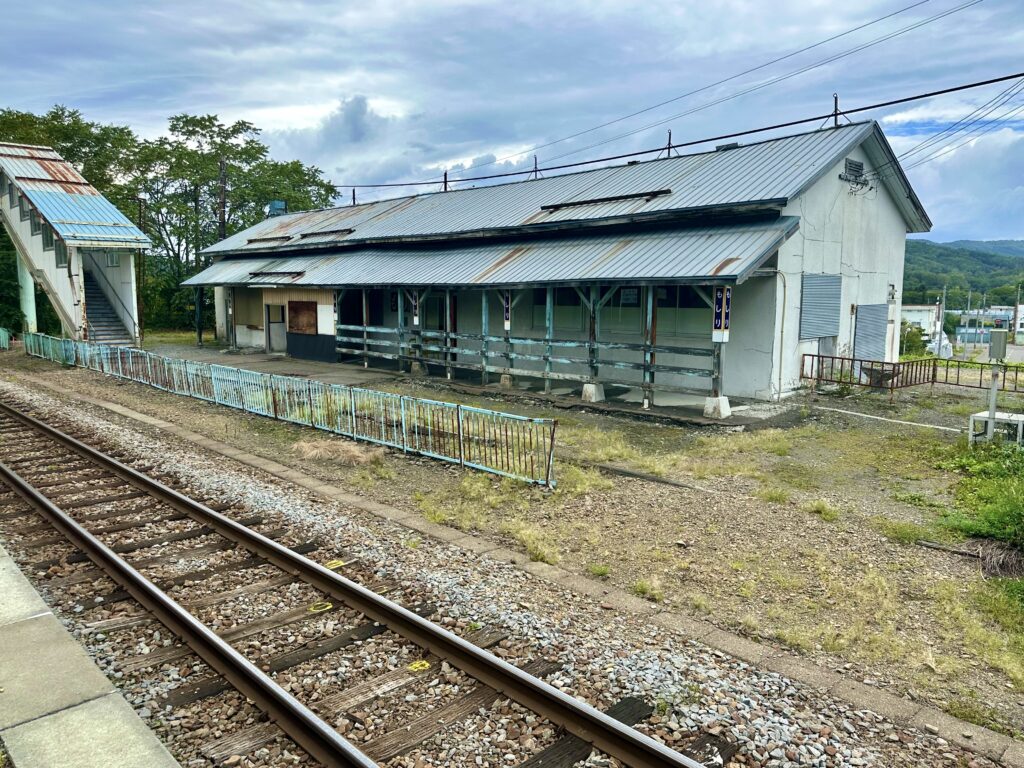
(858, 233)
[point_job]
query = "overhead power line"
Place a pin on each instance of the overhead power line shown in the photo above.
(703, 88)
(775, 80)
(705, 140)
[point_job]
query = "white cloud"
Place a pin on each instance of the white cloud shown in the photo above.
(383, 92)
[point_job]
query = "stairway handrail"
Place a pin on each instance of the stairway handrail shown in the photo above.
(134, 330)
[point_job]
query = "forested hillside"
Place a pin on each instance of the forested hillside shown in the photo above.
(981, 266)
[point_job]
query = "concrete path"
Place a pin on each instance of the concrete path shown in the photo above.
(56, 706)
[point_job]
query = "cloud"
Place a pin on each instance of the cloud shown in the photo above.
(389, 92)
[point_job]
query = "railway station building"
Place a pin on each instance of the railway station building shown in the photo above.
(708, 274)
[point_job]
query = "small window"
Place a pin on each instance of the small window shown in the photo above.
(62, 254)
(36, 223)
(113, 259)
(10, 193)
(23, 207)
(47, 237)
(302, 317)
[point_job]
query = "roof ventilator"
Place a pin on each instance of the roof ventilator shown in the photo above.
(724, 147)
(854, 173)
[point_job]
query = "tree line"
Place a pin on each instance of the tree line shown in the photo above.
(171, 187)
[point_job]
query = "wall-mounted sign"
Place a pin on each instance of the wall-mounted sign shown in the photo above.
(629, 297)
(507, 303)
(415, 307)
(722, 309)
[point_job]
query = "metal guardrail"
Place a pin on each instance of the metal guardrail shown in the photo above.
(5, 338)
(877, 374)
(504, 444)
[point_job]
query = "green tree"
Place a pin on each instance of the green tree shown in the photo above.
(177, 176)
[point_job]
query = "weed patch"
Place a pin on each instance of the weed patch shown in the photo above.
(648, 590)
(773, 495)
(822, 509)
(535, 542)
(599, 570)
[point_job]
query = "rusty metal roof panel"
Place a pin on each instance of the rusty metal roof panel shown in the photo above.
(78, 213)
(724, 253)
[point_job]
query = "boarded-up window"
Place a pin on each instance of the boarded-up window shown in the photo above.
(302, 317)
(820, 306)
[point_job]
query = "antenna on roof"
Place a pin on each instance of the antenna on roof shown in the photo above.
(669, 149)
(445, 182)
(353, 195)
(835, 110)
(535, 173)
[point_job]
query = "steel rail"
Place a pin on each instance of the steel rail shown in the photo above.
(581, 720)
(295, 719)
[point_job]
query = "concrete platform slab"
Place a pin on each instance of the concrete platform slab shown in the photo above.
(101, 733)
(20, 600)
(43, 670)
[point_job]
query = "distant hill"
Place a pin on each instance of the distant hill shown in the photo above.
(1001, 247)
(994, 267)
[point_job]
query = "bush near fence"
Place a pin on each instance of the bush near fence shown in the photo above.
(502, 443)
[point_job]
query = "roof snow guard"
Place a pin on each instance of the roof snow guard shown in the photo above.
(67, 202)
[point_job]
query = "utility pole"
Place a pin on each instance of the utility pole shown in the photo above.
(835, 110)
(222, 212)
(140, 273)
(970, 293)
(940, 337)
(1016, 317)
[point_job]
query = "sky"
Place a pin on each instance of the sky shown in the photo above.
(399, 91)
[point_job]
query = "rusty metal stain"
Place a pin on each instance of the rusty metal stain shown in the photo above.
(723, 264)
(533, 218)
(59, 170)
(608, 255)
(503, 261)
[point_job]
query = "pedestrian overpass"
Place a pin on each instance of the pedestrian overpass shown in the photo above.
(73, 243)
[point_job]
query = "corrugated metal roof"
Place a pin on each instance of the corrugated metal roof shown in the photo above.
(774, 170)
(701, 254)
(67, 202)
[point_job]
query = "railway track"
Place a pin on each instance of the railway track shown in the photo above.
(183, 561)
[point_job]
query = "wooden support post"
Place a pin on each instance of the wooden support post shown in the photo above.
(447, 333)
(485, 332)
(716, 370)
(549, 328)
(648, 326)
(366, 335)
(199, 317)
(595, 312)
(508, 332)
(401, 328)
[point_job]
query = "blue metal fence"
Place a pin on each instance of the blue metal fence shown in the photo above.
(502, 443)
(5, 338)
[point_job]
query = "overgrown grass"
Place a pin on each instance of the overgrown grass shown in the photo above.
(536, 542)
(822, 509)
(599, 570)
(773, 495)
(579, 481)
(990, 494)
(473, 500)
(648, 589)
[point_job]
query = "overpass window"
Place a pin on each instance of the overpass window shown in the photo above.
(62, 254)
(47, 237)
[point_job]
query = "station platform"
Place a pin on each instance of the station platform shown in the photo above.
(56, 706)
